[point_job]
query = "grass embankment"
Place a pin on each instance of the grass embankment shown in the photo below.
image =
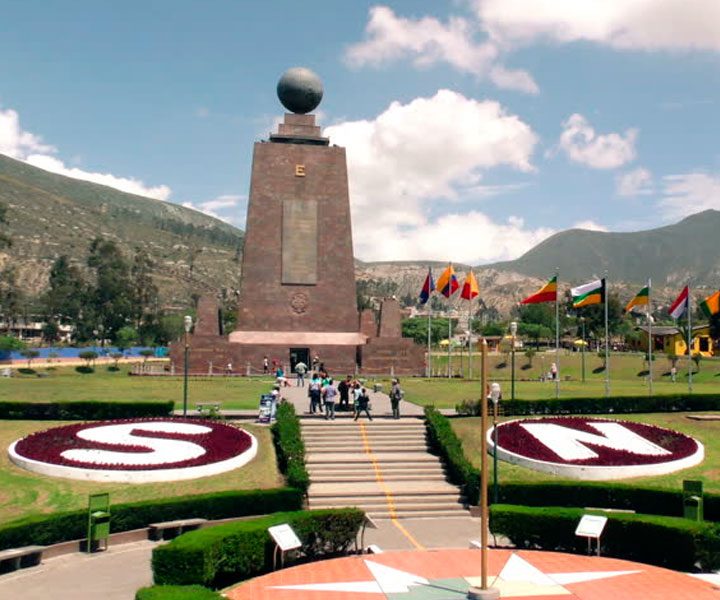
(63, 384)
(707, 432)
(23, 493)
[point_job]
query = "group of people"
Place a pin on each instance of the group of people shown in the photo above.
(324, 394)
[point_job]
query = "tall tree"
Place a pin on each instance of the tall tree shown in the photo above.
(144, 290)
(12, 299)
(112, 292)
(4, 238)
(66, 293)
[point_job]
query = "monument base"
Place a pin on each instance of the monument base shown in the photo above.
(396, 356)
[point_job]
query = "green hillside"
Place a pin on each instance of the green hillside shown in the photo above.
(669, 255)
(49, 215)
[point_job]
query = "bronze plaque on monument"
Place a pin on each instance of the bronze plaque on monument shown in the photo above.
(299, 242)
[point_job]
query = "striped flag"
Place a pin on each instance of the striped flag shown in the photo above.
(447, 284)
(679, 307)
(427, 288)
(641, 299)
(470, 287)
(588, 294)
(548, 293)
(711, 305)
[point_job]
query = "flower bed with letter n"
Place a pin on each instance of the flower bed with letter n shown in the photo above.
(135, 450)
(595, 449)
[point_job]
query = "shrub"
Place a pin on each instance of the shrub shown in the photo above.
(83, 411)
(443, 440)
(177, 592)
(235, 551)
(62, 527)
(587, 406)
(289, 447)
(665, 541)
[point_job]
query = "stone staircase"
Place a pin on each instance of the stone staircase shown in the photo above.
(382, 467)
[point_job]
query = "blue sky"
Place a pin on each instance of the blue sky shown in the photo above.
(474, 128)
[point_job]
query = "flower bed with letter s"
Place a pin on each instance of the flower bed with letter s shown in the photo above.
(135, 450)
(593, 448)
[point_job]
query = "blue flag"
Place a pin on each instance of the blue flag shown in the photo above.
(428, 288)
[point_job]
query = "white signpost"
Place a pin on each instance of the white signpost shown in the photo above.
(285, 539)
(591, 527)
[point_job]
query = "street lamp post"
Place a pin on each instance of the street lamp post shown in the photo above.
(513, 333)
(582, 321)
(187, 321)
(495, 394)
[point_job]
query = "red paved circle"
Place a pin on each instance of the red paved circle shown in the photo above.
(447, 574)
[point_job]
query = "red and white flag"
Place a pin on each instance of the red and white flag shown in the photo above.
(679, 307)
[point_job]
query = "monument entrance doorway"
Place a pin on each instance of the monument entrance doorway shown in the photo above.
(299, 355)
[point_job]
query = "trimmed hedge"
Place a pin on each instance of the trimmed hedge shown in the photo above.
(599, 406)
(664, 541)
(224, 554)
(443, 440)
(289, 447)
(583, 494)
(176, 592)
(62, 527)
(83, 411)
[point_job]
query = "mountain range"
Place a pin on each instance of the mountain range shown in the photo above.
(49, 215)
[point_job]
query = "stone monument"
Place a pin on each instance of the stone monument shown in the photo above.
(297, 296)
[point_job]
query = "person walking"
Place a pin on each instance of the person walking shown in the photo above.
(266, 365)
(344, 391)
(363, 404)
(329, 394)
(300, 370)
(396, 394)
(315, 391)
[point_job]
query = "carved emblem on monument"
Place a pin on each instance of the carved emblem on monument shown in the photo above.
(299, 302)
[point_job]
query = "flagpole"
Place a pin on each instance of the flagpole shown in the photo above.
(428, 371)
(650, 338)
(557, 334)
(689, 339)
(449, 361)
(607, 339)
(470, 338)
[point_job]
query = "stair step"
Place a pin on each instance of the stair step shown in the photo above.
(370, 476)
(347, 492)
(357, 457)
(394, 468)
(424, 514)
(413, 503)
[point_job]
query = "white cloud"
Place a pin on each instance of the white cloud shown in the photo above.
(30, 148)
(638, 182)
(689, 193)
(620, 24)
(219, 207)
(424, 152)
(589, 226)
(583, 145)
(427, 42)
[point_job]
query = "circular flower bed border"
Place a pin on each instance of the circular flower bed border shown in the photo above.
(218, 448)
(520, 447)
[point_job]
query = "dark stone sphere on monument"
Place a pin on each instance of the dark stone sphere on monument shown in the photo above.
(300, 90)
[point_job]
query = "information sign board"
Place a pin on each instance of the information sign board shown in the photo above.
(284, 537)
(591, 526)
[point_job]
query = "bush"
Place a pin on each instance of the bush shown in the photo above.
(234, 551)
(587, 406)
(443, 440)
(83, 411)
(665, 541)
(177, 592)
(62, 527)
(289, 447)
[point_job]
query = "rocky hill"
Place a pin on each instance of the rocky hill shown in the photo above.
(49, 215)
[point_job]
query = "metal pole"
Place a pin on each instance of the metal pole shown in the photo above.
(185, 377)
(428, 370)
(495, 453)
(483, 465)
(650, 340)
(607, 340)
(512, 369)
(689, 341)
(557, 336)
(582, 320)
(449, 335)
(470, 373)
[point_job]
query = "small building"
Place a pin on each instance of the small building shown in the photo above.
(671, 340)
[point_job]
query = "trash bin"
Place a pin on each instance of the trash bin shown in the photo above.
(98, 521)
(693, 500)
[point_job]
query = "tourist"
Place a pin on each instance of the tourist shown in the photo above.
(316, 363)
(396, 394)
(356, 390)
(329, 393)
(362, 404)
(280, 376)
(673, 373)
(266, 365)
(228, 369)
(300, 369)
(315, 392)
(275, 401)
(344, 391)
(553, 371)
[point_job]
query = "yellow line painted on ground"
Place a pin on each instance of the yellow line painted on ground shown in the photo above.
(386, 490)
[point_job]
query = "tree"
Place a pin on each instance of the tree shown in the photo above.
(538, 314)
(89, 356)
(125, 338)
(595, 315)
(12, 299)
(112, 292)
(146, 353)
(144, 290)
(4, 238)
(417, 329)
(30, 354)
(116, 356)
(9, 343)
(530, 354)
(696, 358)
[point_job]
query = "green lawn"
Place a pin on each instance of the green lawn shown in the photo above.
(23, 493)
(65, 384)
(707, 432)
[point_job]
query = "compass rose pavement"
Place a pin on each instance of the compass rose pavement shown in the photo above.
(447, 574)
